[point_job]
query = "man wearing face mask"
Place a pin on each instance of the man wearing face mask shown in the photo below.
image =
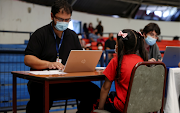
(48, 48)
(110, 44)
(150, 33)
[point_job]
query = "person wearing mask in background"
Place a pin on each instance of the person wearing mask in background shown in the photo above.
(150, 33)
(49, 48)
(82, 42)
(100, 46)
(99, 28)
(110, 44)
(90, 28)
(93, 37)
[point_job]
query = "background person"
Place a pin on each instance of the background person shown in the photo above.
(85, 30)
(82, 42)
(119, 69)
(90, 28)
(110, 44)
(93, 37)
(46, 45)
(150, 33)
(100, 29)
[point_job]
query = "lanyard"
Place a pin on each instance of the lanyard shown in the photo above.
(57, 49)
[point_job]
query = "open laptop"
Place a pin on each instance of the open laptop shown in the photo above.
(82, 60)
(171, 56)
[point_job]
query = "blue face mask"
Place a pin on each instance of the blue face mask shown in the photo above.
(61, 26)
(150, 41)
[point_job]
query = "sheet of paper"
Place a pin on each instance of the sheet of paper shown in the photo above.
(50, 72)
(100, 68)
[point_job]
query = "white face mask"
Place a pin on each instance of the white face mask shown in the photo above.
(100, 47)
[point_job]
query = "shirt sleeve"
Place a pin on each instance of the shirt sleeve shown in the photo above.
(35, 44)
(110, 71)
(106, 44)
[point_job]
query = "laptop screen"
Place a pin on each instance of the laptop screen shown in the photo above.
(171, 56)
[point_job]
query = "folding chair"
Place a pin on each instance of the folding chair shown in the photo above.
(146, 88)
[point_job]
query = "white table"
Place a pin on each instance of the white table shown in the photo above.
(173, 91)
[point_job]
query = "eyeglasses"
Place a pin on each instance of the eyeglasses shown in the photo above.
(61, 19)
(153, 35)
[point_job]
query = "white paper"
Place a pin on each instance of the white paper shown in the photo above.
(50, 72)
(100, 68)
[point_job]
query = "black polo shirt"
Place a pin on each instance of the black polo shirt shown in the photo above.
(42, 44)
(110, 43)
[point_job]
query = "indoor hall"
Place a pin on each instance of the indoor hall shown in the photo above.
(19, 19)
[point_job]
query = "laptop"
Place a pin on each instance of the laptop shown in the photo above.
(82, 60)
(171, 56)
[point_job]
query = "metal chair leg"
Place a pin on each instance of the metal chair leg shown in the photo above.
(65, 106)
(77, 103)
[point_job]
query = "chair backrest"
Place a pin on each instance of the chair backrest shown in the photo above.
(146, 88)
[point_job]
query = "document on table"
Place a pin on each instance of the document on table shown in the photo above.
(100, 68)
(47, 72)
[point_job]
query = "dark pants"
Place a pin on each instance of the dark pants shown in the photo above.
(86, 92)
(110, 106)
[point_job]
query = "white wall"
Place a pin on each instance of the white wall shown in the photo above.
(14, 16)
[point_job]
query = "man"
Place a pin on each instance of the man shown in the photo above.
(110, 44)
(48, 48)
(93, 37)
(150, 33)
(99, 28)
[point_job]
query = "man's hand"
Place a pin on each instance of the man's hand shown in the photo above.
(55, 65)
(179, 64)
(152, 60)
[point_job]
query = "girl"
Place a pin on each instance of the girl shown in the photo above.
(119, 69)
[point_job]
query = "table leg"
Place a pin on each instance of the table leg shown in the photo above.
(14, 94)
(46, 97)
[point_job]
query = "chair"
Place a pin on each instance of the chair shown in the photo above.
(66, 105)
(66, 101)
(146, 88)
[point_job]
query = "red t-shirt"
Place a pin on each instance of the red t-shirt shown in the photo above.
(128, 62)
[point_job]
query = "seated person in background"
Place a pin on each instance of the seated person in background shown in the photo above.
(90, 28)
(88, 48)
(82, 42)
(93, 37)
(100, 46)
(100, 39)
(119, 69)
(110, 44)
(150, 33)
(44, 48)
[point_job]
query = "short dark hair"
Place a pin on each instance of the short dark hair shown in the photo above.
(152, 27)
(61, 4)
